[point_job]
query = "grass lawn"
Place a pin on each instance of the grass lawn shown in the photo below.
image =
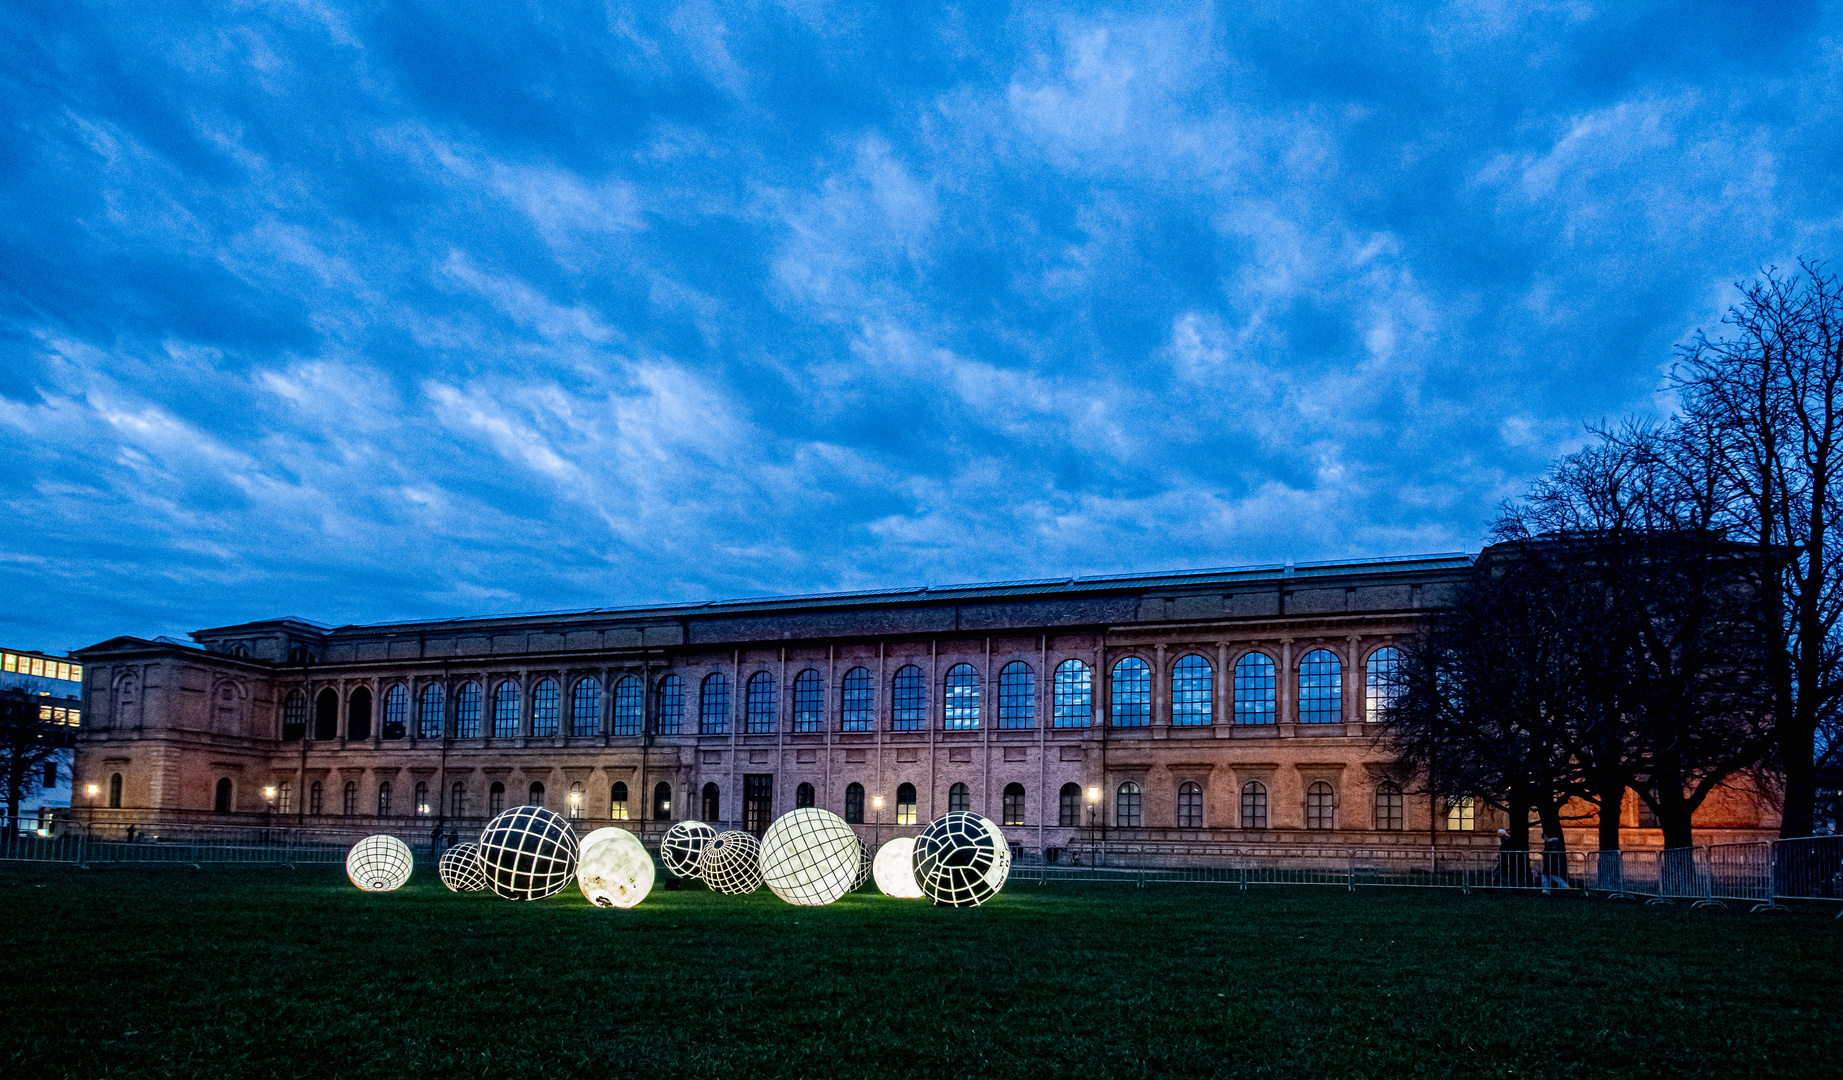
(295, 973)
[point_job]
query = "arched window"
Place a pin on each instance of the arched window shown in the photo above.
(294, 716)
(1128, 806)
(315, 798)
(1461, 814)
(1190, 691)
(1014, 804)
(1190, 805)
(396, 711)
(856, 704)
(909, 699)
(358, 715)
(423, 809)
(1254, 689)
(326, 715)
(534, 795)
(429, 724)
(1388, 806)
(586, 707)
(1381, 683)
(284, 797)
(629, 706)
(671, 705)
(1254, 805)
(546, 708)
(714, 707)
(759, 714)
(467, 711)
(662, 801)
(1321, 698)
(384, 799)
(115, 791)
(854, 803)
(222, 803)
(803, 795)
(495, 798)
(713, 804)
(348, 802)
(1132, 693)
(505, 710)
(809, 702)
(1017, 695)
(959, 799)
(1074, 695)
(905, 804)
(961, 704)
(1320, 806)
(1068, 806)
(457, 800)
(617, 801)
(577, 797)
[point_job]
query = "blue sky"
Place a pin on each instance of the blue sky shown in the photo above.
(391, 311)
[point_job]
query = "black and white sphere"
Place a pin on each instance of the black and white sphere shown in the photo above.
(528, 853)
(615, 869)
(731, 863)
(961, 860)
(894, 868)
(380, 863)
(810, 857)
(682, 845)
(459, 868)
(864, 866)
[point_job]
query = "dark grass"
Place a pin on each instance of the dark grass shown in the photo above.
(295, 973)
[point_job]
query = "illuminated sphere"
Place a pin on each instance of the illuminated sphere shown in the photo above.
(731, 863)
(961, 860)
(379, 863)
(810, 857)
(460, 868)
(615, 869)
(682, 845)
(528, 853)
(864, 866)
(590, 839)
(894, 869)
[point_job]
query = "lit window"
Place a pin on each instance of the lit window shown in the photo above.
(422, 799)
(1132, 693)
(671, 704)
(1382, 683)
(1388, 806)
(586, 708)
(1461, 814)
(1189, 805)
(1254, 805)
(1321, 696)
(1074, 704)
(856, 705)
(1014, 804)
(1320, 806)
(759, 714)
(546, 708)
(1128, 806)
(1254, 689)
(576, 795)
(714, 707)
(905, 804)
(809, 702)
(467, 711)
(629, 707)
(959, 799)
(1190, 691)
(1017, 695)
(617, 801)
(909, 699)
(961, 704)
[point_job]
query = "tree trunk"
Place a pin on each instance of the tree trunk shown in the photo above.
(1797, 753)
(1514, 867)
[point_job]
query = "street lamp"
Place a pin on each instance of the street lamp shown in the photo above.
(876, 802)
(1094, 805)
(93, 790)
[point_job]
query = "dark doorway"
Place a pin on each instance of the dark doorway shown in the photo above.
(326, 715)
(358, 715)
(222, 804)
(757, 802)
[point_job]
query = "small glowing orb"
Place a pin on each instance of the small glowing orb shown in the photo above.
(379, 863)
(894, 869)
(460, 868)
(810, 857)
(864, 866)
(615, 869)
(528, 853)
(682, 845)
(961, 860)
(731, 863)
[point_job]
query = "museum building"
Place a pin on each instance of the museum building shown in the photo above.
(1193, 709)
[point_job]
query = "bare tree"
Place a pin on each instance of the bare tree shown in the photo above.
(27, 741)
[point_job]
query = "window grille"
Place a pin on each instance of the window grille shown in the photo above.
(760, 713)
(1321, 699)
(961, 703)
(671, 705)
(495, 798)
(1461, 814)
(1254, 689)
(1381, 683)
(586, 707)
(1190, 691)
(457, 800)
(429, 723)
(1074, 694)
(349, 800)
(617, 801)
(629, 707)
(1132, 693)
(714, 707)
(1189, 805)
(1014, 804)
(1388, 806)
(294, 716)
(809, 702)
(314, 798)
(905, 804)
(1017, 695)
(421, 794)
(534, 796)
(396, 711)
(803, 796)
(505, 710)
(909, 699)
(576, 800)
(1320, 806)
(1254, 805)
(1068, 806)
(856, 704)
(546, 708)
(1128, 806)
(959, 799)
(854, 804)
(467, 711)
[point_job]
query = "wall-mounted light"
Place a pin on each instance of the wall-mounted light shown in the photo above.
(269, 792)
(93, 789)
(1094, 793)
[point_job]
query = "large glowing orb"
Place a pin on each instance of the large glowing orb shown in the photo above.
(528, 853)
(894, 869)
(961, 860)
(731, 863)
(460, 870)
(615, 869)
(864, 867)
(810, 857)
(379, 863)
(682, 845)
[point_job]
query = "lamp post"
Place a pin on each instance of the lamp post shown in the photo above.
(268, 808)
(1094, 806)
(876, 802)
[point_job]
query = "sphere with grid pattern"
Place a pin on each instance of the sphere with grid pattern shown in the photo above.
(615, 869)
(379, 863)
(894, 868)
(810, 857)
(528, 853)
(961, 860)
(682, 845)
(731, 863)
(864, 866)
(459, 868)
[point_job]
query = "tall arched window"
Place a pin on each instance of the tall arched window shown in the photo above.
(534, 795)
(629, 706)
(856, 701)
(1132, 693)
(809, 702)
(384, 799)
(316, 799)
(546, 708)
(713, 804)
(714, 707)
(358, 715)
(1128, 806)
(467, 711)
(961, 703)
(1014, 804)
(909, 699)
(1190, 691)
(429, 720)
(662, 801)
(1320, 806)
(284, 797)
(905, 804)
(854, 803)
(422, 807)
(759, 715)
(572, 802)
(1017, 695)
(348, 803)
(396, 711)
(115, 791)
(1190, 805)
(221, 803)
(1461, 814)
(804, 794)
(1254, 805)
(1381, 683)
(505, 710)
(1068, 806)
(1254, 689)
(617, 801)
(326, 715)
(1388, 806)
(1321, 697)
(671, 705)
(1074, 695)
(294, 716)
(495, 798)
(457, 800)
(959, 799)
(586, 707)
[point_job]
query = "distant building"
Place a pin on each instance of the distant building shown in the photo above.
(56, 684)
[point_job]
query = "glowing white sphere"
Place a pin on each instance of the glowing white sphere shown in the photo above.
(615, 869)
(961, 860)
(379, 863)
(594, 836)
(731, 863)
(528, 853)
(810, 857)
(682, 845)
(894, 869)
(460, 868)
(864, 866)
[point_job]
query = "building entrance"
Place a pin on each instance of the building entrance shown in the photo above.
(757, 802)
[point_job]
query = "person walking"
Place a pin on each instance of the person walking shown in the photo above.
(1554, 864)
